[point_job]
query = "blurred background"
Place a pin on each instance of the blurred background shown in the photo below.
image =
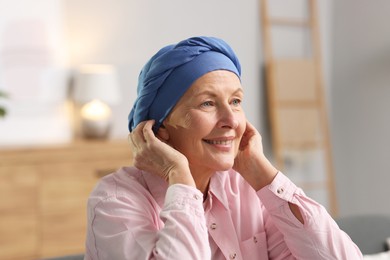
(46, 44)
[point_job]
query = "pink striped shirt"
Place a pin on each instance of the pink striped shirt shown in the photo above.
(135, 215)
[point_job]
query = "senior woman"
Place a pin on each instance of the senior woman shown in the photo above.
(201, 187)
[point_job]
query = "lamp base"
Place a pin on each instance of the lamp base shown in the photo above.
(95, 129)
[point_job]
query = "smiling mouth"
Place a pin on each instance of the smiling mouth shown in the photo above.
(219, 142)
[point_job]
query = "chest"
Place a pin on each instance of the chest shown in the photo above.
(236, 229)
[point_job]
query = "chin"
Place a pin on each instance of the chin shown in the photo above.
(225, 166)
(217, 163)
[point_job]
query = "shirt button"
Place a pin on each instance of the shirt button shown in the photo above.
(196, 196)
(233, 256)
(213, 226)
(255, 239)
(280, 190)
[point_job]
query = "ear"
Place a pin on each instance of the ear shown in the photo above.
(162, 133)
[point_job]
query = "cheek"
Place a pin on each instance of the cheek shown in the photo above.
(192, 120)
(184, 130)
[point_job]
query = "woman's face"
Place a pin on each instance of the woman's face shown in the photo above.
(207, 124)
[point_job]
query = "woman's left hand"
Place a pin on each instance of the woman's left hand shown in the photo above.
(251, 162)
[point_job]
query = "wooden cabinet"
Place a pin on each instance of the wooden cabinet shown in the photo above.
(43, 195)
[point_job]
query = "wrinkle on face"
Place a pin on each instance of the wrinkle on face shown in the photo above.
(179, 121)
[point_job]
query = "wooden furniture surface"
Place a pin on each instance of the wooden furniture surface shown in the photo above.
(43, 195)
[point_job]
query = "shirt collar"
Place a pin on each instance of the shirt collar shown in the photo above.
(217, 187)
(158, 187)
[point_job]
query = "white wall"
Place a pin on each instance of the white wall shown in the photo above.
(50, 12)
(360, 105)
(33, 60)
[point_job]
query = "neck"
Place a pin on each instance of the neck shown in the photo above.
(202, 179)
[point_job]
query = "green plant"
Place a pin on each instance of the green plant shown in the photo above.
(3, 111)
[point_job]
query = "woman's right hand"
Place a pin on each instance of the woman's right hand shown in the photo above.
(153, 155)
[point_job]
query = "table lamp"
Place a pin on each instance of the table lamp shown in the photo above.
(96, 88)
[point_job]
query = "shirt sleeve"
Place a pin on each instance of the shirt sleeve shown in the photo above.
(318, 238)
(130, 227)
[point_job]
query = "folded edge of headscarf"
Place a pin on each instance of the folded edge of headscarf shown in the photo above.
(171, 71)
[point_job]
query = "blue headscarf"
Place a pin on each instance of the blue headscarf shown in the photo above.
(172, 70)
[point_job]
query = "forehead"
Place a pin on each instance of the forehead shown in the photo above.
(215, 81)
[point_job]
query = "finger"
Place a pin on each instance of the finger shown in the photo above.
(249, 126)
(137, 135)
(129, 140)
(251, 130)
(148, 132)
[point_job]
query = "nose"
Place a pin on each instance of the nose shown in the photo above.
(227, 118)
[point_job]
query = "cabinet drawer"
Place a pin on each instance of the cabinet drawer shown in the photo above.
(18, 189)
(64, 195)
(18, 238)
(66, 186)
(18, 213)
(63, 233)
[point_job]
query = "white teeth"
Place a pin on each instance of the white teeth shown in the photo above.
(221, 142)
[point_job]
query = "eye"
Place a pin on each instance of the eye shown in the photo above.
(207, 104)
(236, 102)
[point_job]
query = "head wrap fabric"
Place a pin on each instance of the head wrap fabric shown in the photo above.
(172, 70)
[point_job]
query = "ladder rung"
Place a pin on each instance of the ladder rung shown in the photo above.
(289, 22)
(302, 145)
(298, 103)
(312, 185)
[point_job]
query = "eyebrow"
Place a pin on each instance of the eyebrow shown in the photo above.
(212, 93)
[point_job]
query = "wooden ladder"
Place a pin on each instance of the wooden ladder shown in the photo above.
(297, 109)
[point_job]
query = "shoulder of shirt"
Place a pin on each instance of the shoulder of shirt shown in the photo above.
(124, 182)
